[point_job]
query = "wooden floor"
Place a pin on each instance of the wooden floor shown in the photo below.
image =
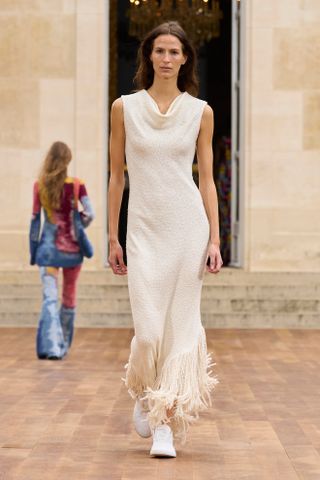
(71, 420)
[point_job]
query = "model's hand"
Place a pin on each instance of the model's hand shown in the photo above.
(215, 260)
(116, 259)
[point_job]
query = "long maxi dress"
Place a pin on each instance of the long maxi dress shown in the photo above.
(167, 240)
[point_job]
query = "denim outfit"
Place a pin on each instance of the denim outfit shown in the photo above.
(57, 248)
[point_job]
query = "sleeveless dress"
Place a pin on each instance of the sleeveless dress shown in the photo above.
(167, 240)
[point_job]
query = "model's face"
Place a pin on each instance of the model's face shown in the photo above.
(167, 56)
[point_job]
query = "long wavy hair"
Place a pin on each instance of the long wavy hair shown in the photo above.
(187, 78)
(53, 174)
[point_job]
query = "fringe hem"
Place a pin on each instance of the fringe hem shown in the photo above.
(184, 385)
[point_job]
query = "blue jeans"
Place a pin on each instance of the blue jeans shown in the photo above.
(55, 330)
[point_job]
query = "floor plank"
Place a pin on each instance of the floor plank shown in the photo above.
(72, 419)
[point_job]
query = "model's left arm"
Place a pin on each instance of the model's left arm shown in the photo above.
(207, 188)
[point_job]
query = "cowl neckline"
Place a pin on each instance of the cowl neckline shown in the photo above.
(171, 109)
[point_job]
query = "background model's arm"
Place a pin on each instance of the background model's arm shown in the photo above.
(207, 187)
(87, 214)
(35, 225)
(116, 185)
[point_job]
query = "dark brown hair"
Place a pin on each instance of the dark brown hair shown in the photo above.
(53, 174)
(187, 79)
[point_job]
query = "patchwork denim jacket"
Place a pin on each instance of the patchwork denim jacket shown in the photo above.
(58, 246)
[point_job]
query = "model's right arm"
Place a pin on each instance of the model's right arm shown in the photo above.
(116, 186)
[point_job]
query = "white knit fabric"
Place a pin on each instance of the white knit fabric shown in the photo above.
(167, 238)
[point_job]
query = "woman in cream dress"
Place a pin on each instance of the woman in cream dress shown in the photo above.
(172, 235)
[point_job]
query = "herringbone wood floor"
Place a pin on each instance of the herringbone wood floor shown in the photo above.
(71, 420)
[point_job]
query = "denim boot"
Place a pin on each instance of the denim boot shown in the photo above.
(50, 341)
(67, 316)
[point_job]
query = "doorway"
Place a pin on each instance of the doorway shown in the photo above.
(219, 72)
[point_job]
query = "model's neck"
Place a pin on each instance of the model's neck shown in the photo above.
(164, 88)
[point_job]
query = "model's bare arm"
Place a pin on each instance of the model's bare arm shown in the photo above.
(116, 185)
(207, 187)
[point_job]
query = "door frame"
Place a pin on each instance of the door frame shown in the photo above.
(238, 13)
(106, 56)
(238, 133)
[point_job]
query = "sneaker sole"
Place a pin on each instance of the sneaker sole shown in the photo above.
(162, 453)
(142, 435)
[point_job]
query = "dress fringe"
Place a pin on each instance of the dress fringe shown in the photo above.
(183, 385)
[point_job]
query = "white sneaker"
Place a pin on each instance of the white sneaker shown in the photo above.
(162, 442)
(140, 419)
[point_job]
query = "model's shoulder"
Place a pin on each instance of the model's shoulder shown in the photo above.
(207, 117)
(196, 100)
(132, 97)
(135, 94)
(117, 105)
(207, 111)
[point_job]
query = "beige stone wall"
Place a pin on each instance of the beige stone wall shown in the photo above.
(52, 86)
(282, 135)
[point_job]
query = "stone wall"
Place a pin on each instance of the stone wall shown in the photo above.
(53, 56)
(52, 87)
(282, 135)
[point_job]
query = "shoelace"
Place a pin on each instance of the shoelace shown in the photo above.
(162, 433)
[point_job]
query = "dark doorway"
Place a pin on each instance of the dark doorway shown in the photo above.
(215, 87)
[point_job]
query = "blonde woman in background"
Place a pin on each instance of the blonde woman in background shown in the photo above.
(57, 194)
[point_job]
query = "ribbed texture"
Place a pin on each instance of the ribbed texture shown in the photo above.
(167, 239)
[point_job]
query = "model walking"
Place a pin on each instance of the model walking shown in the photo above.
(57, 194)
(172, 231)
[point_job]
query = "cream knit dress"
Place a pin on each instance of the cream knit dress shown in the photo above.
(167, 239)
